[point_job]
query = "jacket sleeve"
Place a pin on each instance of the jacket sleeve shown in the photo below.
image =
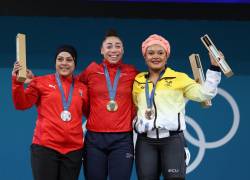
(85, 108)
(24, 98)
(135, 93)
(83, 76)
(134, 96)
(208, 90)
(134, 106)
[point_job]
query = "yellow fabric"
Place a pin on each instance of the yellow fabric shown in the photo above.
(170, 95)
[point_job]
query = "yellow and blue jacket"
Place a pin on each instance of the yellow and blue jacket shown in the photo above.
(171, 93)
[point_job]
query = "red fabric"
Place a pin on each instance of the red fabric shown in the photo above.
(100, 119)
(50, 130)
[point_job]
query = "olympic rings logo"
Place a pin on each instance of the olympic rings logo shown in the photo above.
(201, 142)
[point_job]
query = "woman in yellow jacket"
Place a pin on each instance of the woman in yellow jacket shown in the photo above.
(159, 95)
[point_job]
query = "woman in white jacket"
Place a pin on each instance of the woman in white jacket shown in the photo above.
(159, 95)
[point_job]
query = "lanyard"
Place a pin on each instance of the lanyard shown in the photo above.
(112, 90)
(66, 103)
(150, 97)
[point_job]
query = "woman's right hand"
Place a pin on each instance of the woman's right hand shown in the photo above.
(17, 67)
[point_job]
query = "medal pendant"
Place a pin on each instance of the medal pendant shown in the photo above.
(112, 106)
(149, 114)
(66, 116)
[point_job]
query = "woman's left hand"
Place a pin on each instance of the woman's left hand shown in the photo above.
(213, 61)
(29, 77)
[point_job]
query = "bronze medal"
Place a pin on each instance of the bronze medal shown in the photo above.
(149, 114)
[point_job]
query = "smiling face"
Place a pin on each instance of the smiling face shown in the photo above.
(65, 64)
(155, 57)
(112, 49)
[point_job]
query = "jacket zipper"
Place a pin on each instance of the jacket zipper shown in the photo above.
(157, 130)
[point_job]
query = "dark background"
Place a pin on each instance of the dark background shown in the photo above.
(48, 24)
(81, 8)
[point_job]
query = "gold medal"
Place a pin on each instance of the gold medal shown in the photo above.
(112, 106)
(149, 114)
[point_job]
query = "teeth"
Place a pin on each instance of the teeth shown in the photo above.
(64, 68)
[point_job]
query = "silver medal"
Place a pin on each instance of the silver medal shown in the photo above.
(66, 115)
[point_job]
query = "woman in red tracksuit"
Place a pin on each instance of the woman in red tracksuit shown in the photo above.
(61, 99)
(109, 150)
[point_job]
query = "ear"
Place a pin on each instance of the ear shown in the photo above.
(102, 51)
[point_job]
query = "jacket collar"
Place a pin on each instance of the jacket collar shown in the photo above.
(67, 79)
(109, 65)
(168, 74)
(163, 71)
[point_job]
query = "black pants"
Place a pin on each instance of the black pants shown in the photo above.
(164, 156)
(48, 164)
(108, 155)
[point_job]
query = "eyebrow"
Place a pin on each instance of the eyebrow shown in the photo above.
(112, 43)
(65, 57)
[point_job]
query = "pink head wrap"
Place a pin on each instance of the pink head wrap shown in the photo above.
(155, 39)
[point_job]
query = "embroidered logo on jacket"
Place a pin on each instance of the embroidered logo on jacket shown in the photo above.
(168, 83)
(99, 72)
(52, 86)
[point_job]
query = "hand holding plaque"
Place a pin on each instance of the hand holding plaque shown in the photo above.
(217, 55)
(198, 74)
(29, 74)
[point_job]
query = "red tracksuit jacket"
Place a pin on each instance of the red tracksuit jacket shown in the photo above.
(100, 119)
(50, 130)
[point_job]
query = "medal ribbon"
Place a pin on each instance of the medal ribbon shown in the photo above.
(66, 103)
(150, 97)
(112, 90)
